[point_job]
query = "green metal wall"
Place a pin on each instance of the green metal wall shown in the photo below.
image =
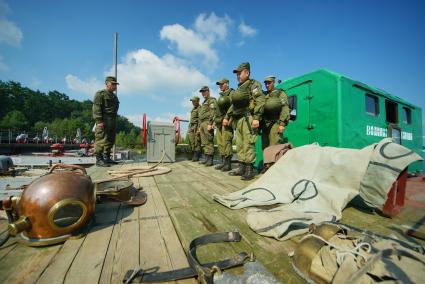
(331, 110)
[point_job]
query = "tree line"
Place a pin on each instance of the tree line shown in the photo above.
(26, 110)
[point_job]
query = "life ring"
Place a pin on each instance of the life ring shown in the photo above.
(176, 122)
(144, 130)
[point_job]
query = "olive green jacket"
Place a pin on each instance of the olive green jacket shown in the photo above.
(207, 110)
(194, 118)
(218, 117)
(284, 113)
(105, 103)
(251, 98)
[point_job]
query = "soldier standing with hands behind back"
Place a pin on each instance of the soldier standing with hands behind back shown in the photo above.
(224, 132)
(205, 126)
(193, 135)
(245, 113)
(105, 110)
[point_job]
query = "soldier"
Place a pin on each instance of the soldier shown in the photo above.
(276, 114)
(205, 128)
(245, 114)
(194, 137)
(105, 109)
(224, 132)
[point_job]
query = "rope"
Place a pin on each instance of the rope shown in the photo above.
(342, 252)
(135, 172)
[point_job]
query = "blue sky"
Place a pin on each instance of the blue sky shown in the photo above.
(168, 49)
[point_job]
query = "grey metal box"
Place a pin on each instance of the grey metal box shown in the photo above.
(161, 137)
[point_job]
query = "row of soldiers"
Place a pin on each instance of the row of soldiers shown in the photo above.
(246, 111)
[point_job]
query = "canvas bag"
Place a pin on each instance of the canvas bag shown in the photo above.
(315, 183)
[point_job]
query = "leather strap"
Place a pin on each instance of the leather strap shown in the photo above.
(204, 272)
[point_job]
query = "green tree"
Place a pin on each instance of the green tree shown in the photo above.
(15, 120)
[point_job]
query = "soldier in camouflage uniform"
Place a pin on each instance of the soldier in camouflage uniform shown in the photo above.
(224, 132)
(105, 110)
(205, 128)
(245, 114)
(193, 135)
(276, 114)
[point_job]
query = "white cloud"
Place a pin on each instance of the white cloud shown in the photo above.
(198, 42)
(144, 73)
(10, 33)
(246, 30)
(89, 87)
(190, 43)
(213, 26)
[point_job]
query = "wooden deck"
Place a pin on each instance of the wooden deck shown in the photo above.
(179, 208)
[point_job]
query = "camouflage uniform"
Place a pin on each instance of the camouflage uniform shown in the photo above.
(206, 117)
(224, 133)
(105, 109)
(247, 105)
(276, 113)
(193, 135)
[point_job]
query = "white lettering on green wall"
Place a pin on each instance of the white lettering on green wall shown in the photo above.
(376, 131)
(406, 136)
(372, 130)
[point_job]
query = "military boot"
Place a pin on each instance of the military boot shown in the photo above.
(209, 160)
(196, 155)
(100, 162)
(227, 166)
(240, 171)
(108, 160)
(204, 160)
(249, 173)
(221, 165)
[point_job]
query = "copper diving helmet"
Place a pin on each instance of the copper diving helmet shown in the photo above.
(55, 206)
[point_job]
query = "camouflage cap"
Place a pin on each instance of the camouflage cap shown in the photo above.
(222, 81)
(111, 79)
(242, 66)
(269, 79)
(204, 88)
(194, 99)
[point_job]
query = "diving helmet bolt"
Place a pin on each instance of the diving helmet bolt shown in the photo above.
(22, 224)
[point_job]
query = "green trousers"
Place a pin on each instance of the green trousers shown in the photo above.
(207, 138)
(245, 139)
(269, 134)
(194, 139)
(105, 137)
(224, 140)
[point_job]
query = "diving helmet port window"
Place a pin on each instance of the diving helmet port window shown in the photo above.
(67, 214)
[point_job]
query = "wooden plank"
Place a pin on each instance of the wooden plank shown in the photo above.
(10, 244)
(108, 264)
(201, 214)
(56, 270)
(159, 244)
(26, 264)
(128, 244)
(88, 263)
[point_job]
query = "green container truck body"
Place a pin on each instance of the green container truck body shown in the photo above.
(337, 111)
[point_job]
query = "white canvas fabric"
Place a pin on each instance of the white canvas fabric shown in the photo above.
(315, 183)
